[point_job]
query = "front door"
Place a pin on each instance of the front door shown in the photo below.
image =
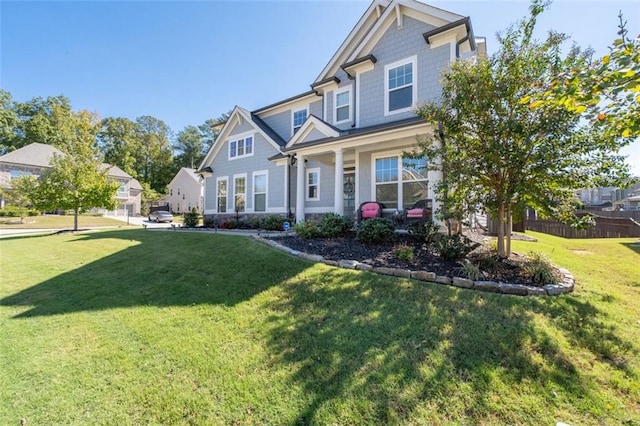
(349, 189)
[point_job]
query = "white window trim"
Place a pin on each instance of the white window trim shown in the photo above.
(240, 175)
(236, 138)
(399, 182)
(306, 184)
(414, 85)
(335, 105)
(226, 179)
(253, 188)
(293, 111)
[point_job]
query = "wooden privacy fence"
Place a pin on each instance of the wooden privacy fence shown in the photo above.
(605, 227)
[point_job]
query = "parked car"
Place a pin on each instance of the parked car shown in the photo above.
(160, 216)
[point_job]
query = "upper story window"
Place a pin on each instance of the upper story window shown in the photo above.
(123, 189)
(400, 86)
(298, 119)
(342, 106)
(242, 147)
(15, 174)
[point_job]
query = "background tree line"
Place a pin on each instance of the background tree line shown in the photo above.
(146, 148)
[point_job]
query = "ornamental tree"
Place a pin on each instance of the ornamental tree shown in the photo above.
(76, 181)
(499, 149)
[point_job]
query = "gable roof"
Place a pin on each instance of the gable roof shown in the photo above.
(187, 172)
(373, 24)
(237, 115)
(35, 154)
(313, 123)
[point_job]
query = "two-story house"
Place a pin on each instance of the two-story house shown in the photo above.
(184, 192)
(342, 142)
(36, 157)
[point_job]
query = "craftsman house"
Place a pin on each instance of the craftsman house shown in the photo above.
(342, 142)
(35, 157)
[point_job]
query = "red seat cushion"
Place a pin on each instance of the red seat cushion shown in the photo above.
(415, 213)
(370, 210)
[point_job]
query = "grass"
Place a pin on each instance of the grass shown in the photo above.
(133, 326)
(57, 222)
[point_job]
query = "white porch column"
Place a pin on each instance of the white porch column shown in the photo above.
(338, 197)
(434, 177)
(300, 188)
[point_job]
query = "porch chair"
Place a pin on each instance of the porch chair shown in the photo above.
(369, 209)
(422, 211)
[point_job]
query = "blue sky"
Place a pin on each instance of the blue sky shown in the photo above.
(185, 62)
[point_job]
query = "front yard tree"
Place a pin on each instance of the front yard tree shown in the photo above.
(605, 92)
(20, 194)
(499, 151)
(76, 181)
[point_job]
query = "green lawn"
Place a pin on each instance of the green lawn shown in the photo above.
(57, 221)
(141, 327)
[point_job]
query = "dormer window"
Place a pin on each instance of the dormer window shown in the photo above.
(342, 106)
(299, 118)
(400, 86)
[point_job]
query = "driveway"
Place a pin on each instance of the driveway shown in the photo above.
(141, 221)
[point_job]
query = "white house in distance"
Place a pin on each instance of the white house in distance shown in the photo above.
(341, 143)
(35, 157)
(184, 192)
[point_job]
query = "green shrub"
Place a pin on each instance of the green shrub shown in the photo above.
(487, 260)
(253, 222)
(454, 247)
(469, 270)
(539, 269)
(209, 222)
(423, 232)
(334, 225)
(306, 230)
(191, 219)
(228, 224)
(378, 230)
(272, 223)
(403, 252)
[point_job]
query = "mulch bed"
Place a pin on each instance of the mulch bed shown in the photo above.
(347, 248)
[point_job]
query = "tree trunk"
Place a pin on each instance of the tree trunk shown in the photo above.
(509, 225)
(75, 220)
(501, 248)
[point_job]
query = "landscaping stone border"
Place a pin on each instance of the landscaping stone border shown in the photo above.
(565, 286)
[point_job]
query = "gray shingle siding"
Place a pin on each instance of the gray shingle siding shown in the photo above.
(396, 45)
(280, 123)
(315, 108)
(327, 180)
(242, 128)
(224, 167)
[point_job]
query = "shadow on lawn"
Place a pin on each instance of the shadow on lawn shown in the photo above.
(395, 346)
(158, 269)
(635, 246)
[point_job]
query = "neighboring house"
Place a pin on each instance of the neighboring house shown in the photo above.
(609, 195)
(184, 192)
(34, 158)
(342, 142)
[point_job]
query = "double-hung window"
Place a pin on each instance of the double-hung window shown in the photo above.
(260, 191)
(242, 147)
(298, 118)
(343, 106)
(221, 195)
(400, 182)
(414, 180)
(386, 178)
(313, 184)
(400, 86)
(239, 192)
